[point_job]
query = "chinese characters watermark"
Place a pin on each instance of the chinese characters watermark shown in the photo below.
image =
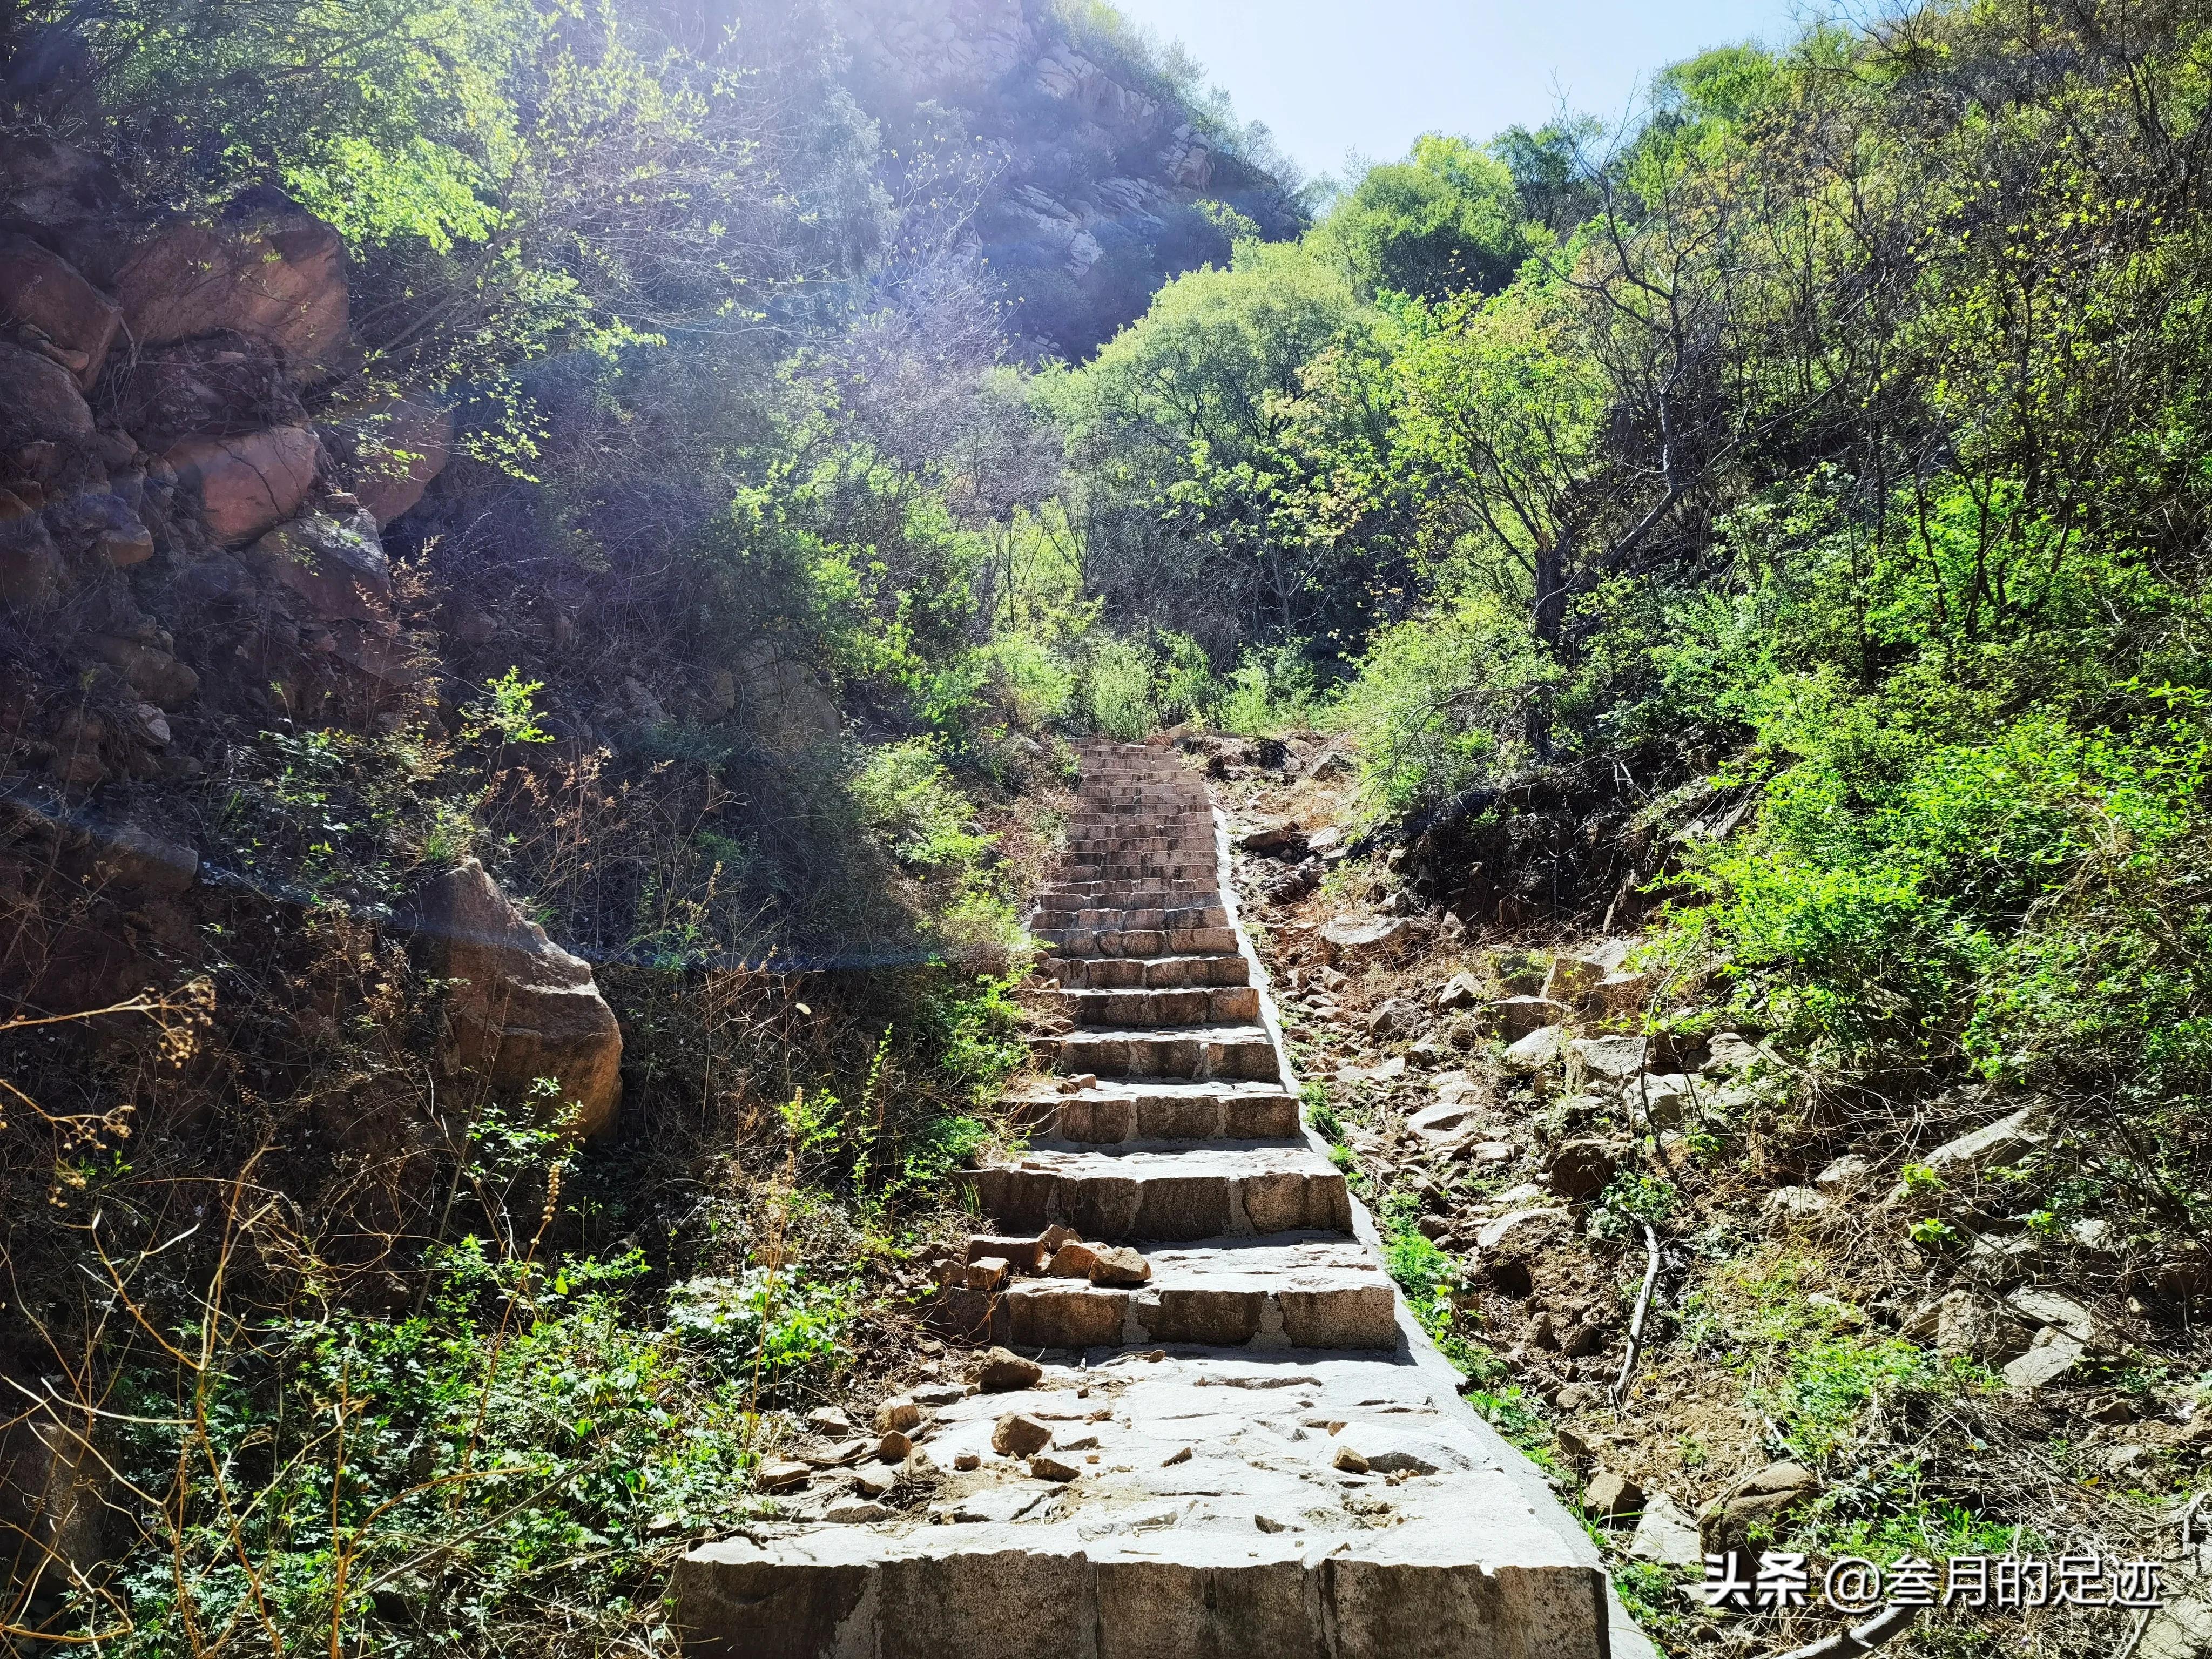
(1852, 1584)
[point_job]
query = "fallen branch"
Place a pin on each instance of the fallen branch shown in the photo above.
(1619, 1389)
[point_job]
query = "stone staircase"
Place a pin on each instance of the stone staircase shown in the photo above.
(1250, 1450)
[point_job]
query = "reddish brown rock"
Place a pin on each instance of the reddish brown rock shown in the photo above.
(39, 402)
(1120, 1265)
(267, 268)
(1003, 1372)
(247, 484)
(522, 1007)
(782, 1475)
(1074, 1260)
(1023, 1253)
(41, 288)
(1017, 1435)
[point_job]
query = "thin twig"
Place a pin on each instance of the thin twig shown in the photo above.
(1619, 1390)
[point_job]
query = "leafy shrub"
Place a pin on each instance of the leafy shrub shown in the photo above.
(774, 1329)
(909, 803)
(1442, 703)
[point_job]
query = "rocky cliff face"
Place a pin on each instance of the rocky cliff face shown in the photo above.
(187, 557)
(1089, 165)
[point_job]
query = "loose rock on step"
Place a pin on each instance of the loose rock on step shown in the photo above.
(1075, 1260)
(1017, 1435)
(1002, 1372)
(782, 1475)
(1120, 1265)
(1045, 1466)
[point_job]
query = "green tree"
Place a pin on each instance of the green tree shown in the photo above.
(1445, 221)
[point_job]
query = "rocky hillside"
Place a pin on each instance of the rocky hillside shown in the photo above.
(1085, 161)
(1722, 1309)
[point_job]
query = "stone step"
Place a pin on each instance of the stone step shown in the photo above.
(1075, 895)
(1299, 1290)
(1148, 973)
(1218, 1521)
(1202, 1051)
(1138, 877)
(1134, 896)
(1198, 838)
(1146, 815)
(1206, 1191)
(1159, 1109)
(1100, 919)
(1192, 824)
(1197, 1005)
(1138, 941)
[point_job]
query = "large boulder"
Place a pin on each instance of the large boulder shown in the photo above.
(521, 1008)
(39, 287)
(39, 402)
(266, 267)
(223, 385)
(336, 584)
(248, 484)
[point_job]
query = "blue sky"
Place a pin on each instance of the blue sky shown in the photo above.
(1330, 76)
